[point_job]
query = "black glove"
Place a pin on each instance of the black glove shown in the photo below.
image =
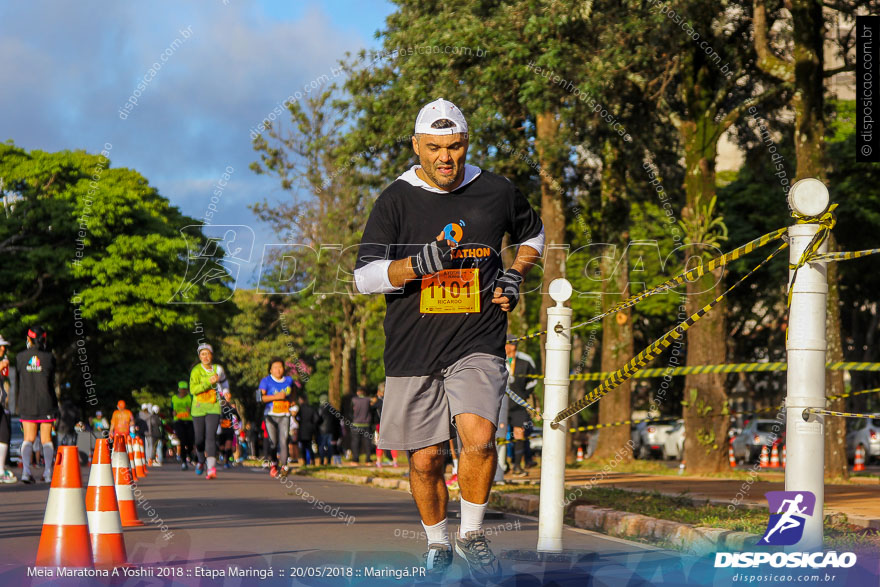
(433, 257)
(509, 282)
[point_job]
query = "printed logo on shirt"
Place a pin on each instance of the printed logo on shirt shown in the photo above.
(454, 231)
(34, 365)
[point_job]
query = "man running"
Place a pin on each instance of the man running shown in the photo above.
(37, 402)
(432, 245)
(121, 420)
(181, 405)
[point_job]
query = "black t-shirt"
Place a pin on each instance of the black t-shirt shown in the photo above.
(404, 218)
(35, 373)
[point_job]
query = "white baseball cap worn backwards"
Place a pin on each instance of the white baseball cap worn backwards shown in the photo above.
(438, 110)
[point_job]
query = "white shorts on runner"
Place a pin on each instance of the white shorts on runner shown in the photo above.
(418, 411)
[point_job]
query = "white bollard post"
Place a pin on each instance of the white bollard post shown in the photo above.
(805, 440)
(556, 382)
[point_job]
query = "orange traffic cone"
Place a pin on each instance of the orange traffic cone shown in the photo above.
(65, 538)
(774, 458)
(730, 456)
(580, 457)
(139, 457)
(102, 509)
(129, 449)
(765, 463)
(859, 461)
(122, 481)
(783, 456)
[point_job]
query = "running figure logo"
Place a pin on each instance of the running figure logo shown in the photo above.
(786, 525)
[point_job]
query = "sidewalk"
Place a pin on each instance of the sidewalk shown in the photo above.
(860, 501)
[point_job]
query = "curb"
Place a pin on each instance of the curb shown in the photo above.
(685, 537)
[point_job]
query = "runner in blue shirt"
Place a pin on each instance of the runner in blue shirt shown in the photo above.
(276, 392)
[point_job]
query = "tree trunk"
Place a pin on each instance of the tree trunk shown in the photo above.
(364, 355)
(617, 334)
(835, 428)
(334, 386)
(349, 361)
(704, 395)
(552, 210)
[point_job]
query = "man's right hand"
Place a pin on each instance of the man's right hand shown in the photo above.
(434, 256)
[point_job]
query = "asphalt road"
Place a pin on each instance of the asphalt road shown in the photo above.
(246, 519)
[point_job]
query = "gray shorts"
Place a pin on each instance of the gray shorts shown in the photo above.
(418, 411)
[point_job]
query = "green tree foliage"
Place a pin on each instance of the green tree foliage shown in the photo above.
(94, 253)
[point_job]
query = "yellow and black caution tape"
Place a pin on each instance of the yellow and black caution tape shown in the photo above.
(844, 256)
(841, 414)
(655, 348)
(691, 275)
(826, 222)
(625, 422)
(853, 393)
(723, 368)
(520, 401)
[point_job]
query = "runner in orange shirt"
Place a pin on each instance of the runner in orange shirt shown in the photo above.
(121, 421)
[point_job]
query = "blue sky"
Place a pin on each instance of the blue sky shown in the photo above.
(68, 69)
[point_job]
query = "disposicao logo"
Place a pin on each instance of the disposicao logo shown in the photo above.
(789, 511)
(792, 508)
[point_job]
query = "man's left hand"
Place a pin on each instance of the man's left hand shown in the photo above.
(506, 292)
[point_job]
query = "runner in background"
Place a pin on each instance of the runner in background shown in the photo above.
(181, 406)
(37, 402)
(121, 421)
(6, 475)
(207, 382)
(519, 367)
(276, 393)
(376, 402)
(229, 422)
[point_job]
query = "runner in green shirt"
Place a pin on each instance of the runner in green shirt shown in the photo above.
(181, 405)
(207, 382)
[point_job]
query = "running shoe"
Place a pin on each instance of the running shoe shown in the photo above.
(8, 477)
(199, 469)
(437, 560)
(183, 466)
(27, 479)
(285, 471)
(212, 473)
(46, 478)
(474, 548)
(273, 472)
(520, 473)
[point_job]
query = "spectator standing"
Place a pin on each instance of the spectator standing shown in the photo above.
(155, 432)
(328, 431)
(361, 426)
(519, 367)
(377, 402)
(99, 424)
(6, 475)
(66, 427)
(308, 428)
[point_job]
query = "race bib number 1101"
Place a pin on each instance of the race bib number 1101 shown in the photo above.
(451, 291)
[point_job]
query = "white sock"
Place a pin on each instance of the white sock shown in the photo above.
(212, 462)
(4, 449)
(48, 456)
(454, 466)
(471, 517)
(438, 533)
(27, 453)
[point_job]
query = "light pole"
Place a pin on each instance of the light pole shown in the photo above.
(805, 440)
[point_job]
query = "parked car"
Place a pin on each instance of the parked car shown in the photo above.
(865, 433)
(755, 435)
(15, 440)
(673, 448)
(651, 437)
